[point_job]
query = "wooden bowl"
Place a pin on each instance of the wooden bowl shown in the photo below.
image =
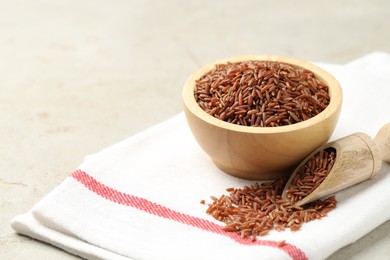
(261, 153)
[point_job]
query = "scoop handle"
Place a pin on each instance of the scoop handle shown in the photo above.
(382, 140)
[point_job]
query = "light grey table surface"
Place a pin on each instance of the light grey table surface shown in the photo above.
(78, 76)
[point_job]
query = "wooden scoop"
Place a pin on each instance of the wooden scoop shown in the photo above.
(358, 158)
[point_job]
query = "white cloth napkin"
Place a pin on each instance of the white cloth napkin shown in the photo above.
(140, 198)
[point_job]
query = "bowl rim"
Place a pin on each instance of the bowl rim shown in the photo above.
(335, 93)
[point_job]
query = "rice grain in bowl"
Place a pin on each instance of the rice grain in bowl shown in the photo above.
(257, 131)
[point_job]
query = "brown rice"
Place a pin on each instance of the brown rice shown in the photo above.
(310, 175)
(257, 209)
(261, 93)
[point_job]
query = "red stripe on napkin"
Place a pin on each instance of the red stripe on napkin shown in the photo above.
(164, 212)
